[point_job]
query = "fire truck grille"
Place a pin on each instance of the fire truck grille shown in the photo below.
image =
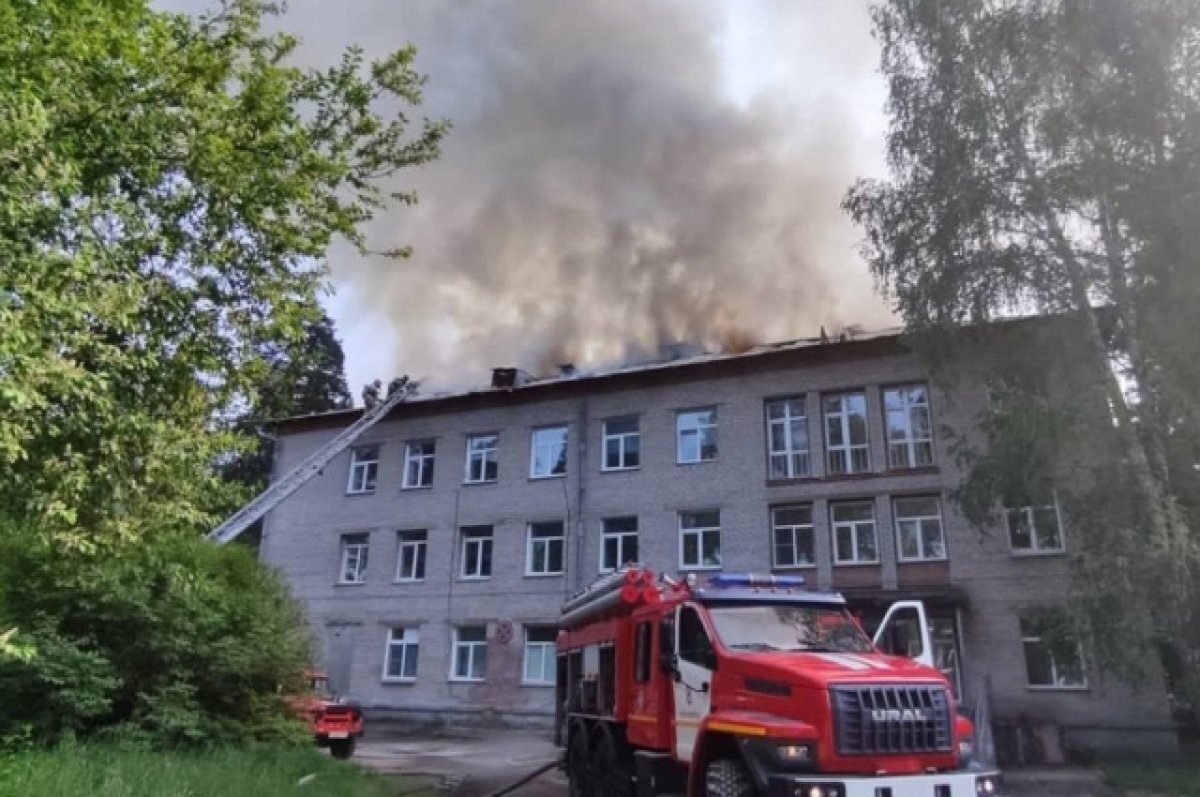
(872, 720)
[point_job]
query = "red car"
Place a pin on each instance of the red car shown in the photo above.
(335, 723)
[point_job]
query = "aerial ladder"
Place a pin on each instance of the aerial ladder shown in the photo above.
(282, 488)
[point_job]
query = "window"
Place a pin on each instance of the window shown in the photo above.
(539, 656)
(364, 469)
(787, 438)
(792, 536)
(909, 428)
(919, 528)
(618, 543)
(700, 540)
(410, 561)
(477, 552)
(400, 660)
(694, 645)
(1035, 529)
(470, 653)
(548, 452)
(696, 433)
(418, 464)
(846, 433)
(544, 549)
(642, 641)
(1051, 665)
(354, 558)
(854, 533)
(622, 448)
(481, 458)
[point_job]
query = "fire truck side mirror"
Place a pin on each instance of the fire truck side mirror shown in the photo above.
(668, 664)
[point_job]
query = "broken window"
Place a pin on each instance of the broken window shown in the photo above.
(548, 452)
(696, 432)
(618, 543)
(354, 558)
(919, 532)
(787, 438)
(539, 656)
(909, 426)
(418, 464)
(364, 469)
(846, 444)
(854, 533)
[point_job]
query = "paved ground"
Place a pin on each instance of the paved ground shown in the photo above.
(481, 764)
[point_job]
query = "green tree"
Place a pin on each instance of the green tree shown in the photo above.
(169, 188)
(1045, 157)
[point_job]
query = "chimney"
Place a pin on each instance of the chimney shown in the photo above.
(508, 378)
(567, 369)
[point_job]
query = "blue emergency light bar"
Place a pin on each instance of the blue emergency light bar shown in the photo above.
(753, 581)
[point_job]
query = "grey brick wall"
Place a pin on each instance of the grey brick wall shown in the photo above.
(351, 621)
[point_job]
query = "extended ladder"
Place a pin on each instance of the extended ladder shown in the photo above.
(298, 476)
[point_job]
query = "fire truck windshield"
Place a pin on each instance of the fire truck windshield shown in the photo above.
(792, 627)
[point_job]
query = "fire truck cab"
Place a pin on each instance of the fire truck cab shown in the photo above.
(748, 686)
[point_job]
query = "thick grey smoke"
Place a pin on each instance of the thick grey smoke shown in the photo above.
(603, 189)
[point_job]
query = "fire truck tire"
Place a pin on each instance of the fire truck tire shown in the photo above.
(341, 749)
(727, 777)
(579, 765)
(612, 765)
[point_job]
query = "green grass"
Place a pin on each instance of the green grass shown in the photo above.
(84, 771)
(1177, 778)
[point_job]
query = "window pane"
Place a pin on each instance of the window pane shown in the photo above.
(410, 661)
(691, 550)
(799, 434)
(779, 466)
(805, 552)
(845, 545)
(866, 543)
(1068, 666)
(689, 446)
(485, 557)
(706, 519)
(909, 545)
(556, 556)
(614, 525)
(629, 549)
(489, 469)
(794, 516)
(471, 558)
(708, 443)
(479, 662)
(837, 462)
(1045, 524)
(858, 429)
(472, 633)
(1018, 530)
(779, 437)
(611, 560)
(633, 449)
(612, 453)
(462, 661)
(1037, 664)
(843, 513)
(621, 426)
(541, 634)
(785, 552)
(712, 547)
(833, 432)
(931, 536)
(533, 663)
(925, 506)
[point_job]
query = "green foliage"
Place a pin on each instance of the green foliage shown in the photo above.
(244, 771)
(1045, 157)
(169, 189)
(171, 641)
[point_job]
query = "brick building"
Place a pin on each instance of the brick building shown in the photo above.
(433, 557)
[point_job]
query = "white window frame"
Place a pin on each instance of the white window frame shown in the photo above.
(472, 536)
(409, 644)
(794, 529)
(421, 460)
(921, 520)
(621, 537)
(474, 648)
(698, 429)
(363, 477)
(544, 545)
(909, 445)
(622, 439)
(1037, 639)
(855, 527)
(359, 551)
(1036, 548)
(791, 450)
(547, 653)
(699, 532)
(536, 446)
(407, 540)
(484, 455)
(848, 448)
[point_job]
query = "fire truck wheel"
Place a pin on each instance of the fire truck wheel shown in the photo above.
(611, 765)
(727, 777)
(579, 770)
(341, 749)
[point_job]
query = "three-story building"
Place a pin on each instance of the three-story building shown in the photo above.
(434, 556)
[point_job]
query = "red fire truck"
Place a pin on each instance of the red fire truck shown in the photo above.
(335, 723)
(747, 686)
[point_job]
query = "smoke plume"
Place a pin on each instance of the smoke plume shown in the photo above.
(605, 188)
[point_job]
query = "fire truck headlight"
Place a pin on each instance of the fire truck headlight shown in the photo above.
(965, 749)
(796, 753)
(821, 790)
(988, 785)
